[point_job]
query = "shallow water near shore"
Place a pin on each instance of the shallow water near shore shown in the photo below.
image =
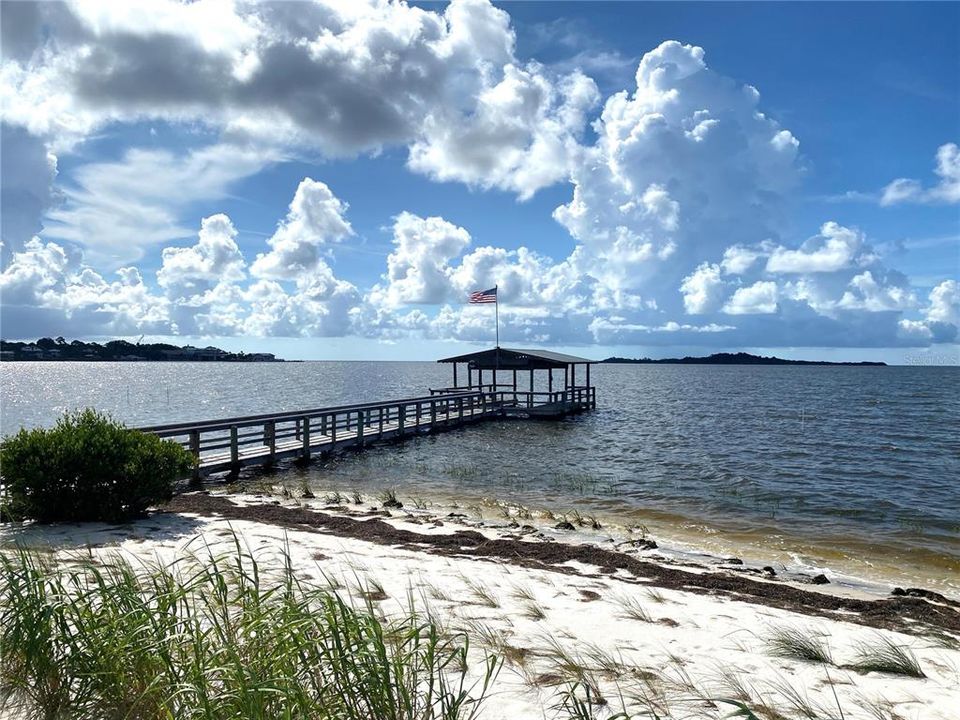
(851, 469)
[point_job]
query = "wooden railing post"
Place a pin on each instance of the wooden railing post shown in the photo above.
(234, 450)
(305, 453)
(380, 430)
(460, 409)
(333, 429)
(401, 420)
(323, 424)
(433, 413)
(270, 438)
(360, 428)
(195, 451)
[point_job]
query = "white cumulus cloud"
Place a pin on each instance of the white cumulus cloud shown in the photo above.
(947, 189)
(314, 221)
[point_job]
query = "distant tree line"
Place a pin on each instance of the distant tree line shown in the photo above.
(120, 350)
(740, 358)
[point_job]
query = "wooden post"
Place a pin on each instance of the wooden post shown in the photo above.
(323, 424)
(589, 392)
(380, 430)
(305, 453)
(270, 438)
(401, 420)
(530, 397)
(195, 451)
(360, 428)
(333, 430)
(454, 374)
(419, 412)
(550, 380)
(433, 414)
(514, 382)
(566, 381)
(297, 430)
(469, 376)
(234, 450)
(460, 408)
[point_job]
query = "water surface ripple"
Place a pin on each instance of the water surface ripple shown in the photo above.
(849, 466)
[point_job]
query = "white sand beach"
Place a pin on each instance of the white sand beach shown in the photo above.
(641, 646)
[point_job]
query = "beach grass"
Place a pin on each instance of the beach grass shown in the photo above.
(632, 609)
(885, 656)
(798, 644)
(213, 637)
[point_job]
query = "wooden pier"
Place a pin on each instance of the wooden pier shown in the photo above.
(229, 444)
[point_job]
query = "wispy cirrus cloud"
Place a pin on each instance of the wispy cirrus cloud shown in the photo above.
(117, 209)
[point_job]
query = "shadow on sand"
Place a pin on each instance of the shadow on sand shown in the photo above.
(76, 536)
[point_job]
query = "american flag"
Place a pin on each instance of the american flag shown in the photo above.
(483, 296)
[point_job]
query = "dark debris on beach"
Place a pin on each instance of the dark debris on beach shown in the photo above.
(914, 613)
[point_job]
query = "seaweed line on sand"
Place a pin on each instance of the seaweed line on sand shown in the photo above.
(905, 614)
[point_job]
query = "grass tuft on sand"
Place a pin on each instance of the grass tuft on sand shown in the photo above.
(214, 637)
(885, 656)
(798, 644)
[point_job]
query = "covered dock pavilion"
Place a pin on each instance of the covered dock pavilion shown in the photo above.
(547, 398)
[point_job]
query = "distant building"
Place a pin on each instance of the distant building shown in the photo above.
(210, 353)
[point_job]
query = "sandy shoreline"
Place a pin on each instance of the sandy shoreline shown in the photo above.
(854, 562)
(645, 633)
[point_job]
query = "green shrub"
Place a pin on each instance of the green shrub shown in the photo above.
(87, 467)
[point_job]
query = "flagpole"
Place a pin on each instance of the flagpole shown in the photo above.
(496, 306)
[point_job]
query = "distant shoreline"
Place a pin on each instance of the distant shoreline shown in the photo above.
(48, 349)
(740, 358)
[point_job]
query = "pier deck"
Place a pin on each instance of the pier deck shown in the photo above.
(229, 444)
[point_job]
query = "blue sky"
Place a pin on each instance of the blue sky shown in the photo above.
(784, 179)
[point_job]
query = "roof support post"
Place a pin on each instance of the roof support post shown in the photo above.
(530, 397)
(469, 376)
(455, 374)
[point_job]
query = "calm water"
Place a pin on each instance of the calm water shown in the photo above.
(853, 469)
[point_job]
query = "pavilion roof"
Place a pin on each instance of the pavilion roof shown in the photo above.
(516, 359)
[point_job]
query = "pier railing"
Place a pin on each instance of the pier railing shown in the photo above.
(580, 396)
(231, 443)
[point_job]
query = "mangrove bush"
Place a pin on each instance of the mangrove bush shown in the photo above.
(86, 467)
